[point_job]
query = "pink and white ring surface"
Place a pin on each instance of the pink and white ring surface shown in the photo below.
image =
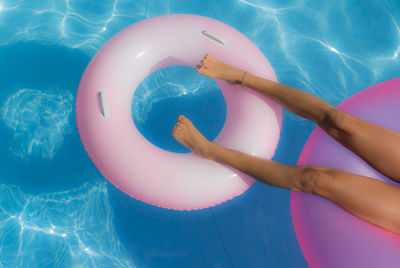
(133, 164)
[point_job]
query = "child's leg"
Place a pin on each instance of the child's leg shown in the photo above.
(373, 201)
(378, 146)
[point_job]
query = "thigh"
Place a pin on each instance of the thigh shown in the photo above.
(369, 199)
(376, 145)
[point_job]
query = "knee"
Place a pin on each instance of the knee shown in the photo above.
(336, 123)
(315, 180)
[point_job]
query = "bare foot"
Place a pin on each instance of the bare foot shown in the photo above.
(188, 135)
(213, 68)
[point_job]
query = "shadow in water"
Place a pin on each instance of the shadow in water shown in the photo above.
(40, 149)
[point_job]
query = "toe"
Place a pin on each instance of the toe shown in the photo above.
(180, 118)
(179, 125)
(178, 132)
(187, 121)
(200, 69)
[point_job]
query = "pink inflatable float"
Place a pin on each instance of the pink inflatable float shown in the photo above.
(126, 158)
(329, 236)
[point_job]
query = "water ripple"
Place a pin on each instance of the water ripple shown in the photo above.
(39, 120)
(170, 82)
(66, 229)
(72, 23)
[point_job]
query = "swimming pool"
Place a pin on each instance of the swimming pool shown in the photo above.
(56, 208)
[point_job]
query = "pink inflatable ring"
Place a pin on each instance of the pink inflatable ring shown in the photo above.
(133, 164)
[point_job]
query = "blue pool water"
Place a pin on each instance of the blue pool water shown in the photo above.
(57, 210)
(175, 90)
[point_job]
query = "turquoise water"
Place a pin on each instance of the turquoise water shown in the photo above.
(57, 210)
(167, 93)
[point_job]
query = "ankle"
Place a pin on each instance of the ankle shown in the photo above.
(246, 81)
(210, 151)
(234, 75)
(242, 80)
(240, 76)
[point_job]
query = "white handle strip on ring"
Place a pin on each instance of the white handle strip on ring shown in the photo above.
(103, 101)
(214, 38)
